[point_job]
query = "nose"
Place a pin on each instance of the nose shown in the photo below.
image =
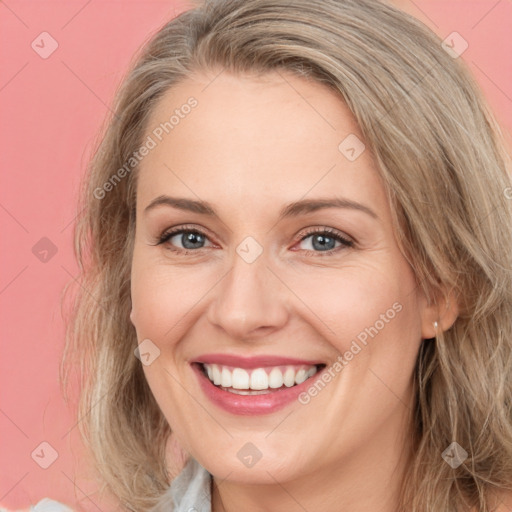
(250, 301)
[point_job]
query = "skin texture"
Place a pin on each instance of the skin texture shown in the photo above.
(251, 146)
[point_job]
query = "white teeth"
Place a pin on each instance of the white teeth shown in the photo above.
(311, 372)
(225, 378)
(217, 379)
(246, 392)
(289, 377)
(240, 379)
(300, 377)
(258, 379)
(275, 378)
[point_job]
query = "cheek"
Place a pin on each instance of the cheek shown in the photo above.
(164, 302)
(370, 315)
(360, 302)
(165, 298)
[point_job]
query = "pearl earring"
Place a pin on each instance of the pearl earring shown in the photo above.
(435, 326)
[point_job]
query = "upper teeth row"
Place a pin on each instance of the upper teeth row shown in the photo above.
(239, 378)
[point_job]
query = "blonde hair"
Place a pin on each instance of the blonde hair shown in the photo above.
(447, 172)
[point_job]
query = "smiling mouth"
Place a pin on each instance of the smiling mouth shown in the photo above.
(258, 381)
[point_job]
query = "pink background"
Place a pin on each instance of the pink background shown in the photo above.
(52, 109)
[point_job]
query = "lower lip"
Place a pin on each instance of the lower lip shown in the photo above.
(250, 404)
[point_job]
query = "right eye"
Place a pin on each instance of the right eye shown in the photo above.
(190, 239)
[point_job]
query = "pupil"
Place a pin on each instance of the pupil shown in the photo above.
(192, 240)
(324, 242)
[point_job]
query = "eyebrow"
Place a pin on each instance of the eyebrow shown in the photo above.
(294, 209)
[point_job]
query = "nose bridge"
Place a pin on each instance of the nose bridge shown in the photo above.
(249, 300)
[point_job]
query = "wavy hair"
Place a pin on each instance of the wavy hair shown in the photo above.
(446, 168)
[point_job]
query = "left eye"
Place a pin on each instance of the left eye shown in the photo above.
(323, 241)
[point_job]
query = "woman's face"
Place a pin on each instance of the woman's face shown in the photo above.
(259, 282)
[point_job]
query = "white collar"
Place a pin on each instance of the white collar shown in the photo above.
(191, 489)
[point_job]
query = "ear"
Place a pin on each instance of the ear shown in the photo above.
(132, 317)
(444, 310)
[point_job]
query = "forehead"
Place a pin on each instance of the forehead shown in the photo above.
(277, 135)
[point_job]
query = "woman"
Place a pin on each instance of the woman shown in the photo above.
(296, 260)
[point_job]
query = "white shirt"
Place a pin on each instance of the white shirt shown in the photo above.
(190, 491)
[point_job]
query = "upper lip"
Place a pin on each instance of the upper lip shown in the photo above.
(253, 361)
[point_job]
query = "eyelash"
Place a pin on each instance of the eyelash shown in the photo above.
(346, 243)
